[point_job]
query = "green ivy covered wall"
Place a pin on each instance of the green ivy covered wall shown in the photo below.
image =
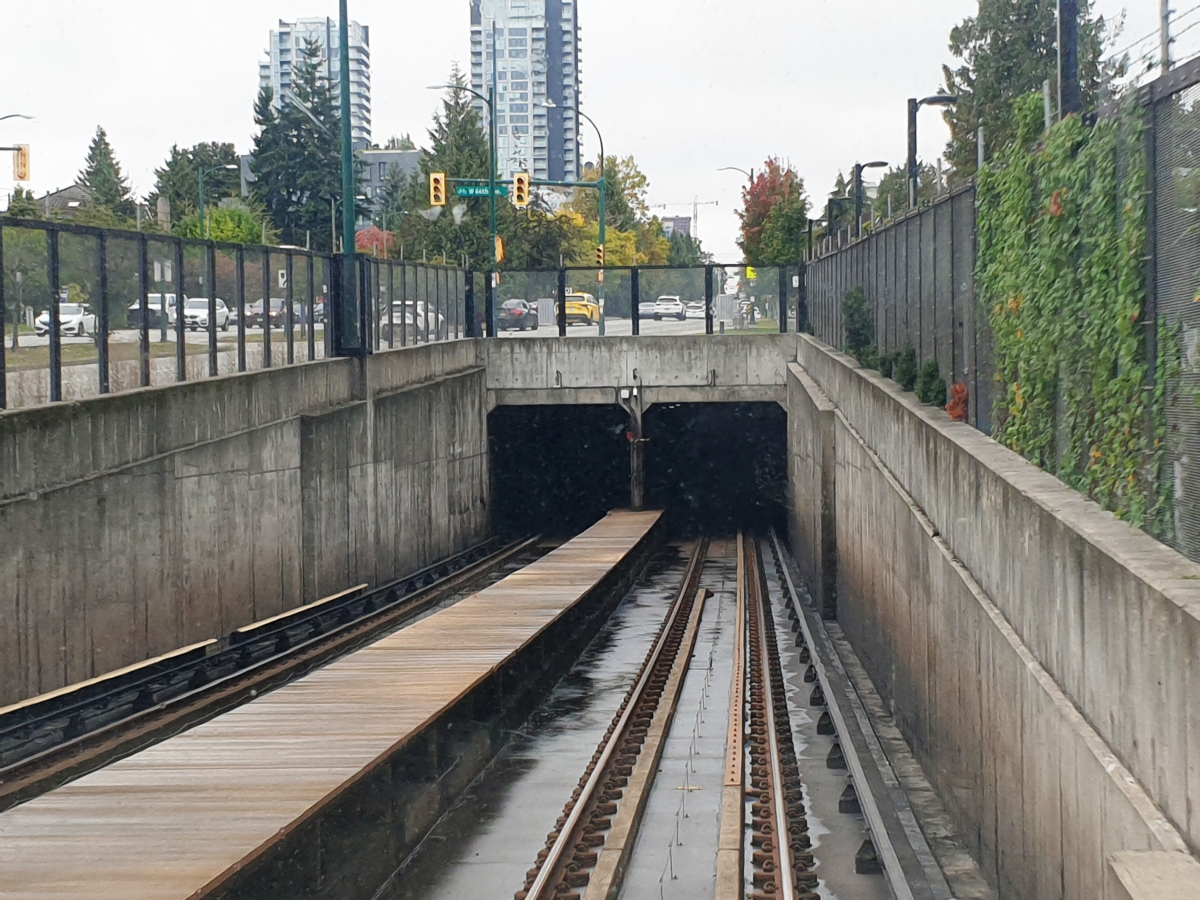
(1083, 385)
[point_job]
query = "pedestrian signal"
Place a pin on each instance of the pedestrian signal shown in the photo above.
(437, 188)
(21, 163)
(521, 192)
(499, 249)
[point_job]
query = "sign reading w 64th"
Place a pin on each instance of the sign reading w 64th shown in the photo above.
(480, 190)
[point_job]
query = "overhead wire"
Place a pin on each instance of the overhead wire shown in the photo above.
(1175, 17)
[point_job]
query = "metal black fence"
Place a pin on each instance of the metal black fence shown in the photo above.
(136, 309)
(654, 301)
(918, 273)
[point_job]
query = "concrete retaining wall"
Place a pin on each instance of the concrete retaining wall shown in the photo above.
(137, 523)
(1040, 656)
(682, 369)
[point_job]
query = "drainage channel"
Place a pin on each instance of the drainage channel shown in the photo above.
(492, 835)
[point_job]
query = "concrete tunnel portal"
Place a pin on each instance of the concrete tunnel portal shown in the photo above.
(711, 466)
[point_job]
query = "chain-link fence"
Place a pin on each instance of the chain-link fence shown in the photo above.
(918, 275)
(87, 311)
(1174, 118)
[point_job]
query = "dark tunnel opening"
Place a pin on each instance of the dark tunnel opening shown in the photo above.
(713, 467)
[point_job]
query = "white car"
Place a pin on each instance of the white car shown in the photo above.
(646, 309)
(195, 314)
(418, 321)
(694, 310)
(73, 319)
(668, 307)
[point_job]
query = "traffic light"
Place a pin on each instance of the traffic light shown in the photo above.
(21, 163)
(437, 188)
(521, 184)
(600, 256)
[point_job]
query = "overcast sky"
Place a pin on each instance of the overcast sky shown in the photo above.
(685, 86)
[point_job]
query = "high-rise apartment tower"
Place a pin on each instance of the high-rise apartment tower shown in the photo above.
(529, 49)
(287, 49)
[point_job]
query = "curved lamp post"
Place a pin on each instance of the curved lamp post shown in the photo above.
(914, 105)
(858, 192)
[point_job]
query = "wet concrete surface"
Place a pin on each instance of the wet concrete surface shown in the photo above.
(836, 836)
(489, 841)
(674, 856)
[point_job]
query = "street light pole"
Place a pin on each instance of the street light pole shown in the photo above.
(914, 173)
(348, 204)
(858, 192)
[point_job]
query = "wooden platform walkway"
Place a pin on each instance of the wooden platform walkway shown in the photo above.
(178, 818)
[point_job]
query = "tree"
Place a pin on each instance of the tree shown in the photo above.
(686, 251)
(22, 205)
(534, 237)
(1008, 50)
(400, 142)
(232, 224)
(298, 161)
(179, 178)
(775, 184)
(894, 187)
(26, 278)
(374, 241)
(102, 176)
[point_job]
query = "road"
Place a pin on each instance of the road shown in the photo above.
(617, 327)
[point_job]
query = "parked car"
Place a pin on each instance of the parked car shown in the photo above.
(517, 314)
(420, 323)
(195, 314)
(154, 303)
(670, 307)
(73, 319)
(277, 313)
(582, 309)
(646, 309)
(694, 310)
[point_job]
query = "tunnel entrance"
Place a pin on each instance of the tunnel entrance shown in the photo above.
(712, 466)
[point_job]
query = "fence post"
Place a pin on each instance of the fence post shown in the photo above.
(489, 304)
(101, 318)
(241, 309)
(802, 301)
(266, 307)
(180, 340)
(635, 292)
(709, 273)
(144, 298)
(210, 275)
(784, 286)
(469, 303)
(562, 302)
(3, 301)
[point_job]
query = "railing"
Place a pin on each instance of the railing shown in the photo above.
(654, 301)
(137, 309)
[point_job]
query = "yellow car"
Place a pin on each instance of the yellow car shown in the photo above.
(582, 309)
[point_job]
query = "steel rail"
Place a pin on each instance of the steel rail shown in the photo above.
(786, 878)
(548, 876)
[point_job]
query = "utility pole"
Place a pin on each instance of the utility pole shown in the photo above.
(1165, 13)
(1069, 98)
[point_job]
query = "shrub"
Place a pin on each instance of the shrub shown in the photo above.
(931, 388)
(886, 363)
(859, 319)
(905, 369)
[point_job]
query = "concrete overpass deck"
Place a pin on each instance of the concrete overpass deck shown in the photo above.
(181, 818)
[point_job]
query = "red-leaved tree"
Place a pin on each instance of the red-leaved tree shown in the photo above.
(375, 241)
(775, 184)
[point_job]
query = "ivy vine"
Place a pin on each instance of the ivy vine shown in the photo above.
(1061, 274)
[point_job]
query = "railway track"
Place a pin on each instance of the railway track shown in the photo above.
(49, 739)
(586, 853)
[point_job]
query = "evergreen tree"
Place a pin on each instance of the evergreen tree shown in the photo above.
(22, 205)
(298, 161)
(102, 176)
(178, 180)
(1009, 49)
(458, 146)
